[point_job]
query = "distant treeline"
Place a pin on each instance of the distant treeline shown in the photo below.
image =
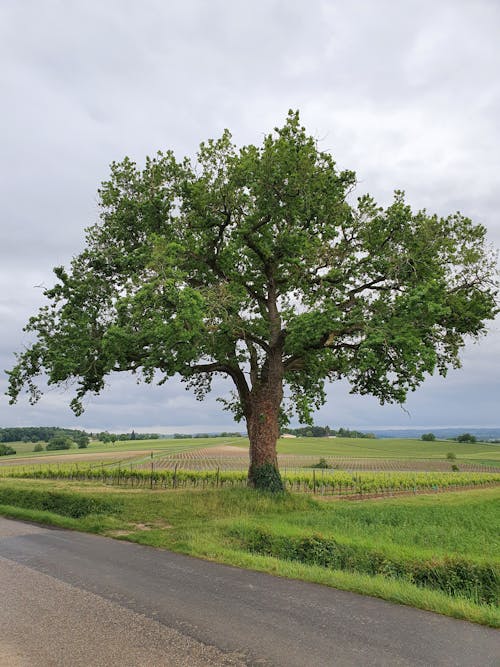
(104, 436)
(46, 433)
(326, 431)
(37, 433)
(224, 434)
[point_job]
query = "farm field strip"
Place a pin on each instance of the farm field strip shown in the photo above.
(317, 481)
(385, 448)
(107, 454)
(202, 459)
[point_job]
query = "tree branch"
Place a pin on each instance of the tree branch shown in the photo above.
(234, 372)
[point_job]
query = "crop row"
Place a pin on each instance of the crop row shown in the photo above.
(322, 481)
(296, 463)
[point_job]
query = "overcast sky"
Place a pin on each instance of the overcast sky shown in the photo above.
(407, 94)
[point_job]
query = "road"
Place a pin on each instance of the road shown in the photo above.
(71, 599)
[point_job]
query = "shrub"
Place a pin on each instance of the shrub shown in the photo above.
(428, 437)
(38, 448)
(5, 450)
(451, 456)
(67, 504)
(466, 437)
(59, 442)
(455, 576)
(322, 463)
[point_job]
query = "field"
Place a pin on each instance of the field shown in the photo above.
(294, 454)
(24, 450)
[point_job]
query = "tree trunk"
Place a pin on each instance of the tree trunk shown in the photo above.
(263, 432)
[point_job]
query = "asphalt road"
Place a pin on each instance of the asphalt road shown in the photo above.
(71, 599)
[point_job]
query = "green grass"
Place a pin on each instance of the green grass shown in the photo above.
(389, 448)
(203, 524)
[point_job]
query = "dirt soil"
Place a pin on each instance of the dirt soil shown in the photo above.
(73, 458)
(221, 450)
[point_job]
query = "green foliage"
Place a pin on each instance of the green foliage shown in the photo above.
(428, 437)
(35, 433)
(82, 441)
(269, 479)
(6, 450)
(38, 447)
(66, 503)
(455, 576)
(59, 442)
(451, 456)
(313, 431)
(322, 464)
(266, 478)
(466, 437)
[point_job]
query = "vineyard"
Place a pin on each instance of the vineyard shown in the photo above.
(324, 482)
(227, 458)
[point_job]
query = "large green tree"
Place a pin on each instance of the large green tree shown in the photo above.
(254, 264)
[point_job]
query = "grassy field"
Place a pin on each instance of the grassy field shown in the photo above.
(388, 448)
(406, 535)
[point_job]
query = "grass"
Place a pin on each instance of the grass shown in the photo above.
(389, 448)
(204, 523)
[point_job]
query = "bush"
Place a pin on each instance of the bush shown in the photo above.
(466, 437)
(59, 442)
(38, 448)
(451, 456)
(82, 441)
(322, 463)
(455, 576)
(428, 437)
(67, 504)
(5, 450)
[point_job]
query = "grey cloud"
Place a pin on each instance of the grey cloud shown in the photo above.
(406, 94)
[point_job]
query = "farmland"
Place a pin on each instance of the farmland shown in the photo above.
(294, 454)
(350, 467)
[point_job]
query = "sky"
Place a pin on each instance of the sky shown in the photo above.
(407, 94)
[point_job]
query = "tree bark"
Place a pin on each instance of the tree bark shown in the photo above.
(262, 418)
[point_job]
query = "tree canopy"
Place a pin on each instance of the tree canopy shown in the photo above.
(254, 263)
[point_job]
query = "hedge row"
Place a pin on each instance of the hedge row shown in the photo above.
(455, 576)
(67, 504)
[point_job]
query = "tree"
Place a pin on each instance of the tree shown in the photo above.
(59, 442)
(466, 437)
(82, 440)
(252, 264)
(428, 437)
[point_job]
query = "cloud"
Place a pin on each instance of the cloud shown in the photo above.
(407, 94)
